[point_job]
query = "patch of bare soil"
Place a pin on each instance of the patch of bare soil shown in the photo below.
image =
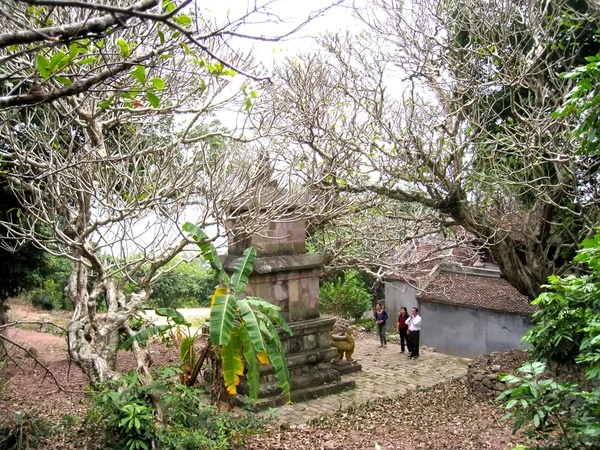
(443, 417)
(27, 386)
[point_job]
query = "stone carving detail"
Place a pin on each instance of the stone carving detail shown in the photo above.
(344, 343)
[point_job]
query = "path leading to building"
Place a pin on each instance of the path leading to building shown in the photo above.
(385, 373)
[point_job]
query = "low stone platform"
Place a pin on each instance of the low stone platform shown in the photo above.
(385, 373)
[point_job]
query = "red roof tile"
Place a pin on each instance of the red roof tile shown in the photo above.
(478, 292)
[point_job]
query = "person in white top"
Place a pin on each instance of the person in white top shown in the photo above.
(414, 330)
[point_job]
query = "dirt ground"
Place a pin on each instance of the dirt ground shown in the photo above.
(444, 417)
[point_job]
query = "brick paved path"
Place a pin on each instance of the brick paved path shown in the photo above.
(385, 373)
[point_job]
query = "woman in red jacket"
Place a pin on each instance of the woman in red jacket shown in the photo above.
(402, 328)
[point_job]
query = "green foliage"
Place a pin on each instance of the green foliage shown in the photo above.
(126, 406)
(50, 283)
(243, 328)
(21, 431)
(185, 338)
(583, 101)
(569, 315)
(188, 285)
(568, 329)
(368, 324)
(547, 407)
(345, 296)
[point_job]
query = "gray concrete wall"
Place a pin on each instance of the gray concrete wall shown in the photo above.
(461, 331)
(397, 295)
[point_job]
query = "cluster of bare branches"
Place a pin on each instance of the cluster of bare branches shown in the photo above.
(109, 137)
(449, 106)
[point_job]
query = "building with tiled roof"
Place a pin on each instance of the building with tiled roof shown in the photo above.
(466, 307)
(476, 291)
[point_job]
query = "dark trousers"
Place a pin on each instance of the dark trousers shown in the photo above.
(413, 339)
(382, 337)
(403, 338)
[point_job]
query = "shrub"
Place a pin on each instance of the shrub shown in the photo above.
(126, 407)
(567, 329)
(345, 296)
(19, 430)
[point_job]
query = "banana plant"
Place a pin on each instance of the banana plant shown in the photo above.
(245, 329)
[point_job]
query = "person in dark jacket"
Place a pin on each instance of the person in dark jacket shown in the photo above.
(381, 319)
(402, 328)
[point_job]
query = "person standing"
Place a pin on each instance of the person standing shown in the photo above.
(414, 331)
(381, 319)
(402, 328)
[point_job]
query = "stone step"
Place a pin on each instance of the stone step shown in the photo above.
(272, 389)
(310, 357)
(300, 395)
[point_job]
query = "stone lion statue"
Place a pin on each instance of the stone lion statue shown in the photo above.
(344, 342)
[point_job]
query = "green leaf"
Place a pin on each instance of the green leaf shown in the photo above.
(222, 315)
(184, 20)
(56, 59)
(43, 66)
(153, 99)
(174, 315)
(146, 334)
(139, 73)
(64, 80)
(158, 83)
(168, 5)
(124, 46)
(209, 252)
(277, 358)
(106, 103)
(242, 270)
(253, 374)
(252, 325)
(186, 351)
(87, 60)
(74, 50)
(161, 36)
(233, 364)
(248, 104)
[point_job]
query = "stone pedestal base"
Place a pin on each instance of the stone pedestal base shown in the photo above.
(345, 367)
(308, 355)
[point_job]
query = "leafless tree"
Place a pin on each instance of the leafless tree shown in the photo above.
(447, 106)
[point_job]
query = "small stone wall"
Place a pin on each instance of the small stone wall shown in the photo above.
(484, 382)
(483, 373)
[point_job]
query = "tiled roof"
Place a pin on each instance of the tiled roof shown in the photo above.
(478, 292)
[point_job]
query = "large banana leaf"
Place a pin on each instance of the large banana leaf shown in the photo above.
(146, 334)
(174, 315)
(186, 352)
(242, 270)
(279, 362)
(263, 357)
(233, 364)
(255, 301)
(253, 375)
(222, 315)
(266, 314)
(218, 291)
(209, 252)
(252, 325)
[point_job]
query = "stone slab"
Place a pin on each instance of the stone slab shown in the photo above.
(282, 263)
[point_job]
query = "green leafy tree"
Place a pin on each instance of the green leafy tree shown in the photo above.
(187, 285)
(346, 296)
